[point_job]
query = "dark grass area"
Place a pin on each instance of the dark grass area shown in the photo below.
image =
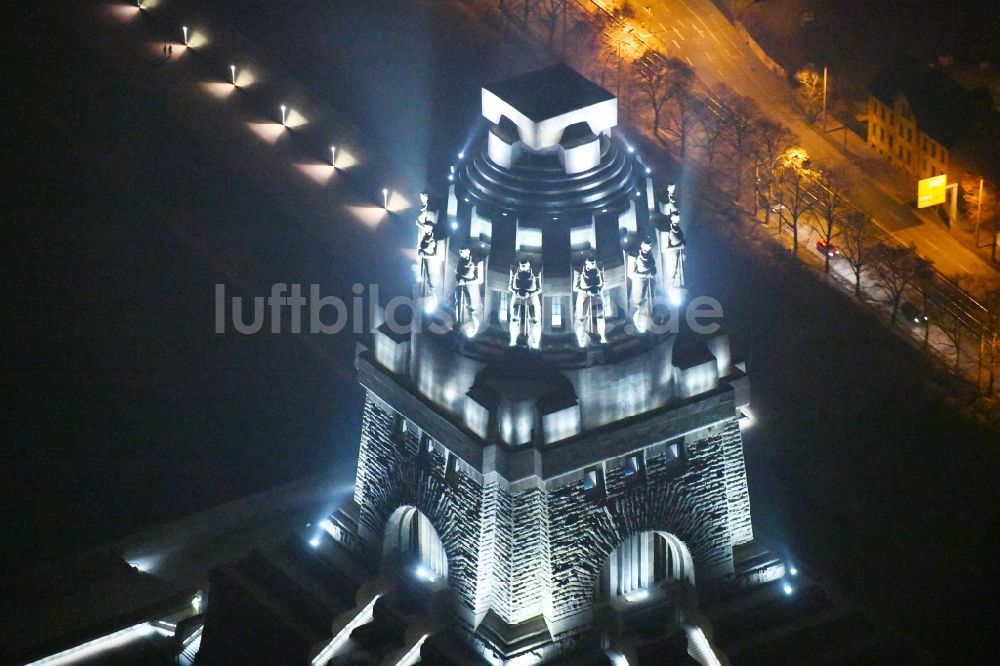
(860, 461)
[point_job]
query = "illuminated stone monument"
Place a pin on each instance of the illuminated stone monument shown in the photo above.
(551, 444)
(551, 466)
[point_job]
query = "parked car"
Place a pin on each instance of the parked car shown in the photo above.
(912, 314)
(828, 249)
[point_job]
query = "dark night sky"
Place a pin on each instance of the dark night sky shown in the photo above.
(121, 407)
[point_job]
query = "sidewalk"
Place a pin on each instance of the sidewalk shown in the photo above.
(696, 30)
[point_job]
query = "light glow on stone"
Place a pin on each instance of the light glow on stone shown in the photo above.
(364, 616)
(92, 648)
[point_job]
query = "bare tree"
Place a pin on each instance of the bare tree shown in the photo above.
(951, 326)
(990, 340)
(652, 82)
(980, 201)
(661, 82)
(809, 92)
(550, 13)
(585, 47)
(897, 270)
(858, 240)
(793, 179)
(712, 120)
(775, 139)
(831, 209)
(680, 113)
(741, 133)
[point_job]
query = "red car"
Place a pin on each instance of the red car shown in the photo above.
(829, 249)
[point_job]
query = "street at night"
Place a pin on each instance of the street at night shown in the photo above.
(164, 155)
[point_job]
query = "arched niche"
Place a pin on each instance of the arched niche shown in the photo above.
(643, 561)
(411, 542)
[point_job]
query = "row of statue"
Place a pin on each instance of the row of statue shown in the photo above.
(525, 284)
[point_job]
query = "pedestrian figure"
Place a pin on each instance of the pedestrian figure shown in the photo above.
(164, 50)
(170, 51)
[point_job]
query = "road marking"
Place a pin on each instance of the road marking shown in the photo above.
(674, 41)
(931, 243)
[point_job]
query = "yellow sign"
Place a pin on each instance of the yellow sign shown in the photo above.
(932, 191)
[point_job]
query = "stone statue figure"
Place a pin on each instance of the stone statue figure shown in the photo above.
(468, 277)
(670, 206)
(525, 304)
(641, 271)
(589, 285)
(427, 250)
(674, 254)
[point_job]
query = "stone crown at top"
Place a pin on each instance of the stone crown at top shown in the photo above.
(544, 102)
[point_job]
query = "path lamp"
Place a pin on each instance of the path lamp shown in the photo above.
(333, 156)
(232, 70)
(385, 198)
(185, 29)
(283, 110)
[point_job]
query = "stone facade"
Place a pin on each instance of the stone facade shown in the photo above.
(536, 546)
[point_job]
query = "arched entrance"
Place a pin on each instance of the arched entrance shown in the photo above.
(642, 561)
(411, 541)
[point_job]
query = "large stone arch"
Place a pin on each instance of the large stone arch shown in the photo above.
(658, 509)
(407, 469)
(642, 560)
(673, 503)
(410, 539)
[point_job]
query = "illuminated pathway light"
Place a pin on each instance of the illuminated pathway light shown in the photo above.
(314, 542)
(232, 69)
(385, 198)
(787, 588)
(333, 156)
(283, 110)
(185, 28)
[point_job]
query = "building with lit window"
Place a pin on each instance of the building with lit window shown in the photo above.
(918, 115)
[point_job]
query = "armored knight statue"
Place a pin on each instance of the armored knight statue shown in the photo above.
(670, 205)
(673, 254)
(427, 249)
(589, 285)
(525, 305)
(468, 277)
(641, 271)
